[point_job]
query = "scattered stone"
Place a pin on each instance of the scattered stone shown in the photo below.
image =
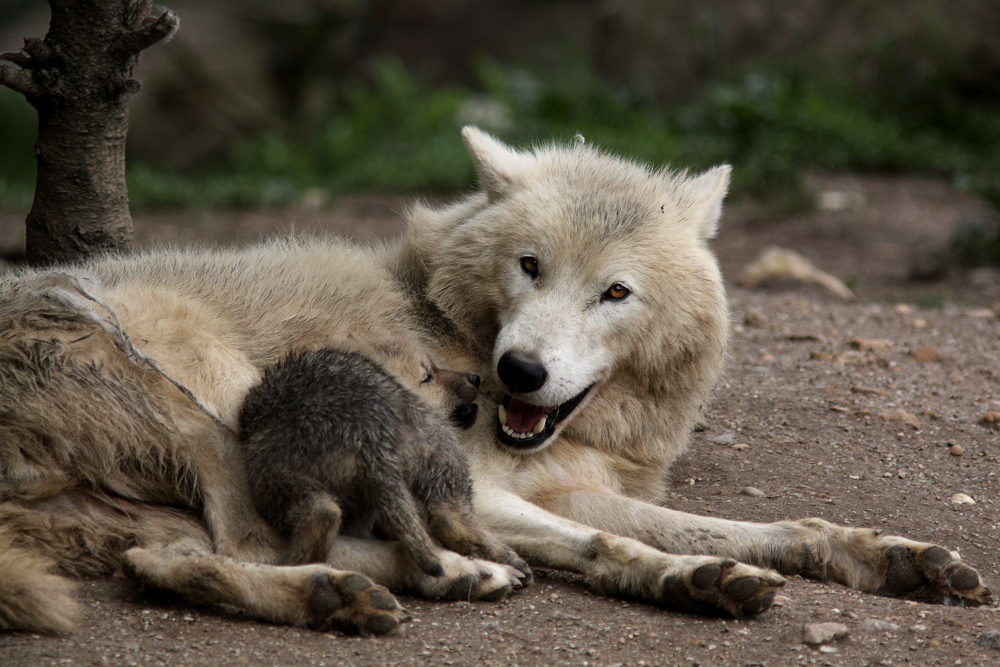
(740, 446)
(804, 337)
(989, 639)
(839, 200)
(992, 420)
(903, 308)
(899, 416)
(755, 318)
(962, 499)
(829, 649)
(927, 355)
(726, 438)
(823, 633)
(956, 450)
(859, 389)
(933, 643)
(751, 491)
(783, 265)
(919, 323)
(873, 344)
(877, 625)
(979, 313)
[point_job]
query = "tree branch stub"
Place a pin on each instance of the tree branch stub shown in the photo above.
(18, 80)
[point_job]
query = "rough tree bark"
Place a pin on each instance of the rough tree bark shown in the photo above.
(78, 79)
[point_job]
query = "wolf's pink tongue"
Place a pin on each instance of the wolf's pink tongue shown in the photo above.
(522, 417)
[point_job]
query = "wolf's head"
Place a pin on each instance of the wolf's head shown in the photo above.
(586, 282)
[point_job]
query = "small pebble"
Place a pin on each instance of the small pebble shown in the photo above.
(740, 446)
(877, 625)
(726, 438)
(956, 450)
(962, 499)
(751, 491)
(919, 323)
(823, 633)
(927, 355)
(990, 639)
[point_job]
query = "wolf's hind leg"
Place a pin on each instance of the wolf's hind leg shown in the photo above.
(314, 531)
(314, 596)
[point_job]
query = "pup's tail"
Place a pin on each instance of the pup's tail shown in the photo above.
(32, 598)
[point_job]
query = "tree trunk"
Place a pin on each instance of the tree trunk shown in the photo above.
(78, 79)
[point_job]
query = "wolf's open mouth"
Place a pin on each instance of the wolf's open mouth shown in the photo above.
(525, 426)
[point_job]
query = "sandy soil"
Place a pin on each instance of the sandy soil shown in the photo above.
(855, 412)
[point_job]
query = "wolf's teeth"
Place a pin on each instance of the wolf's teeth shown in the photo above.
(502, 412)
(539, 427)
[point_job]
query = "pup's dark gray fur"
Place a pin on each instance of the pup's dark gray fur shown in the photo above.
(333, 444)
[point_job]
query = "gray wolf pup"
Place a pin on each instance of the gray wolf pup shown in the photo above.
(578, 285)
(334, 443)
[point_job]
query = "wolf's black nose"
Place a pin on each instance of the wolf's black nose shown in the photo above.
(521, 373)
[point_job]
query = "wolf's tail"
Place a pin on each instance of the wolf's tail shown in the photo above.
(32, 598)
(74, 533)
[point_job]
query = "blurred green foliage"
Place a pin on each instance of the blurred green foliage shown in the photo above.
(398, 134)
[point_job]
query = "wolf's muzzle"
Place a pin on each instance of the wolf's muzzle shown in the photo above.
(521, 372)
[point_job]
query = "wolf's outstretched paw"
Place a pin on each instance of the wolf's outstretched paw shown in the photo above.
(470, 579)
(725, 586)
(353, 603)
(929, 573)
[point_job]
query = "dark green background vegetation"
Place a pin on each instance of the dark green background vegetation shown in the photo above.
(342, 97)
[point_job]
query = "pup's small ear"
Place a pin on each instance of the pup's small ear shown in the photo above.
(703, 197)
(497, 164)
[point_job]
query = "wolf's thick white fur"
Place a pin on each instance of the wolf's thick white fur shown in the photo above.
(584, 280)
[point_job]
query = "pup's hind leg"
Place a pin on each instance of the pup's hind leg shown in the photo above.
(444, 488)
(387, 563)
(314, 596)
(453, 527)
(315, 523)
(398, 514)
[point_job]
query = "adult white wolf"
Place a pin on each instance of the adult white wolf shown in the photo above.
(578, 285)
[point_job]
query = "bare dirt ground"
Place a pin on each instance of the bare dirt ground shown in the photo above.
(865, 413)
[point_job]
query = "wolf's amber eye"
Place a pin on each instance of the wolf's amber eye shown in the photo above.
(530, 265)
(617, 292)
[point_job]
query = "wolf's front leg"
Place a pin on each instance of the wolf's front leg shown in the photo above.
(618, 565)
(857, 557)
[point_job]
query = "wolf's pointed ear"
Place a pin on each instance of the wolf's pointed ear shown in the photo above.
(704, 194)
(497, 164)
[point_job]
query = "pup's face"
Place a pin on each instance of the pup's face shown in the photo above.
(452, 392)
